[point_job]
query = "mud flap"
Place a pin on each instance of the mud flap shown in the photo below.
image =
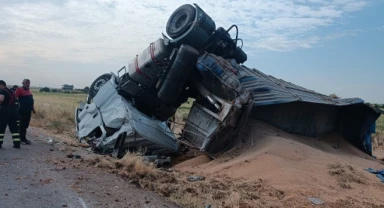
(118, 151)
(213, 132)
(241, 122)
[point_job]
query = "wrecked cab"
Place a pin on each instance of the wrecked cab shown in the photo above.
(110, 123)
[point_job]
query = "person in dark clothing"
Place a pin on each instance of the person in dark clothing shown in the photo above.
(8, 115)
(13, 89)
(26, 102)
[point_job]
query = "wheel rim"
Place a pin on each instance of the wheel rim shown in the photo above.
(99, 84)
(180, 21)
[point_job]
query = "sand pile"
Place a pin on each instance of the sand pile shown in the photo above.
(298, 165)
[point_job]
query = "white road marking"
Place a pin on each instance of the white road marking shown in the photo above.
(82, 202)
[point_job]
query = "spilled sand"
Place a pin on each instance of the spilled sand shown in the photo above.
(300, 166)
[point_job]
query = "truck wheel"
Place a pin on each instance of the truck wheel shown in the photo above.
(180, 20)
(97, 84)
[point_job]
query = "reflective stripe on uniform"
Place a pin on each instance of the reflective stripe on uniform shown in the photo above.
(16, 137)
(1, 136)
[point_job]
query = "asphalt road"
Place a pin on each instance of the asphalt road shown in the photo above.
(29, 178)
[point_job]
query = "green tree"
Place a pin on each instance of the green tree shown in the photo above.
(334, 96)
(86, 89)
(44, 89)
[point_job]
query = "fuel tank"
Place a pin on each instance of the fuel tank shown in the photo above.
(147, 66)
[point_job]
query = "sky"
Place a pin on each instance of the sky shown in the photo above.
(330, 46)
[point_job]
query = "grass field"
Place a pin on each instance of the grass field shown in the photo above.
(55, 112)
(380, 123)
(379, 136)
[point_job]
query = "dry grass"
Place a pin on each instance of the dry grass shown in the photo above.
(378, 138)
(132, 164)
(346, 175)
(56, 111)
(351, 202)
(217, 191)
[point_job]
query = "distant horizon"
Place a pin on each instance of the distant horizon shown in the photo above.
(74, 88)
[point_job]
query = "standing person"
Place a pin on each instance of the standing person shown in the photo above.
(26, 102)
(8, 115)
(14, 88)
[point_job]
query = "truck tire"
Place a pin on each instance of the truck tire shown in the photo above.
(180, 20)
(97, 84)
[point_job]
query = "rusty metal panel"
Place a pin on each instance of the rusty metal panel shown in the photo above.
(203, 125)
(200, 126)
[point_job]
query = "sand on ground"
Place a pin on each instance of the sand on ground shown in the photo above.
(300, 166)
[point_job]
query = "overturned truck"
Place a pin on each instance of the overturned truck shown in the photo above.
(129, 110)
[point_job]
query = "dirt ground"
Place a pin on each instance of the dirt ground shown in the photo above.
(268, 168)
(41, 175)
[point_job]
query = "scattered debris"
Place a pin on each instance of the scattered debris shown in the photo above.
(84, 145)
(316, 201)
(71, 155)
(146, 200)
(378, 173)
(50, 141)
(159, 161)
(196, 178)
(46, 181)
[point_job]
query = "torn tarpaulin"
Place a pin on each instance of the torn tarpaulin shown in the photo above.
(378, 173)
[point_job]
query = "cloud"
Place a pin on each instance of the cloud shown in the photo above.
(380, 28)
(104, 30)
